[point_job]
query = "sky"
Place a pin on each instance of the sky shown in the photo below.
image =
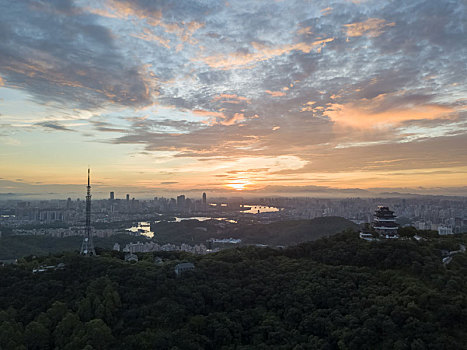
(240, 97)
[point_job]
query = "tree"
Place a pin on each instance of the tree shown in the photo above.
(36, 336)
(98, 335)
(69, 332)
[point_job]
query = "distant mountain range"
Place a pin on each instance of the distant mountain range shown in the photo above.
(24, 190)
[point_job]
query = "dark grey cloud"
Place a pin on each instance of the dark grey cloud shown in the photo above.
(59, 53)
(53, 125)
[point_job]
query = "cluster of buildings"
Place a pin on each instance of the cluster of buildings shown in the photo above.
(63, 232)
(64, 218)
(225, 240)
(179, 269)
(70, 211)
(448, 255)
(423, 212)
(146, 247)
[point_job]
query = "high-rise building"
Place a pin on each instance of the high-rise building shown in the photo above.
(127, 197)
(112, 196)
(181, 202)
(188, 204)
(205, 205)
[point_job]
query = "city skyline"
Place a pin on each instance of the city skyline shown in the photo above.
(240, 98)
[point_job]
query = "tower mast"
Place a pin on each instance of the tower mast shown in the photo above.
(87, 247)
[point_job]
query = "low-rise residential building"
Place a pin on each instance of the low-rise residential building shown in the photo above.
(130, 257)
(444, 230)
(183, 267)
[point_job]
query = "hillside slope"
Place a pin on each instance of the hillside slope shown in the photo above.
(334, 293)
(292, 232)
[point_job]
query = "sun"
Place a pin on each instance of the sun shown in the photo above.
(238, 185)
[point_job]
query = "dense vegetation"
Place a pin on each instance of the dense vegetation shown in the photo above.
(292, 232)
(12, 247)
(278, 233)
(334, 293)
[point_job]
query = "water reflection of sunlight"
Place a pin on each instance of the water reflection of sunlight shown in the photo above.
(143, 229)
(256, 209)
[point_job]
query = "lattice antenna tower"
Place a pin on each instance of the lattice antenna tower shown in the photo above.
(87, 247)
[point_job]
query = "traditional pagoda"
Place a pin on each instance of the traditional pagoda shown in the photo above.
(385, 223)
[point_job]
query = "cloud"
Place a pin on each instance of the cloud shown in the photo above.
(162, 14)
(230, 98)
(53, 125)
(359, 88)
(63, 55)
(275, 93)
(238, 117)
(150, 36)
(372, 27)
(260, 53)
(169, 182)
(361, 116)
(304, 30)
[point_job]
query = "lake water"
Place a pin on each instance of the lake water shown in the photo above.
(143, 229)
(199, 218)
(204, 218)
(255, 209)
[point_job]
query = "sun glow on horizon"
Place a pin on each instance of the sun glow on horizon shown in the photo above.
(239, 185)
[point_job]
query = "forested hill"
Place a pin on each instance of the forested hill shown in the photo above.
(334, 293)
(292, 232)
(278, 233)
(13, 247)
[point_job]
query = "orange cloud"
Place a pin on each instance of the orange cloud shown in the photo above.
(262, 53)
(362, 117)
(124, 9)
(238, 117)
(212, 118)
(275, 93)
(304, 30)
(220, 118)
(205, 113)
(231, 98)
(372, 27)
(308, 107)
(147, 35)
(326, 11)
(189, 29)
(1, 81)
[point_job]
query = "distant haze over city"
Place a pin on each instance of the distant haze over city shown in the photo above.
(239, 98)
(102, 192)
